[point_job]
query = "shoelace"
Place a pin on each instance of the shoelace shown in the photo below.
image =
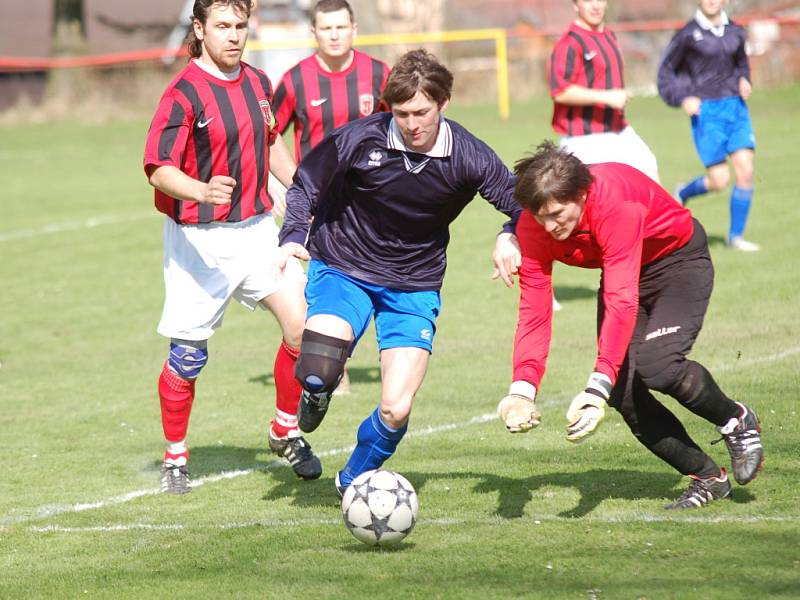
(738, 440)
(183, 472)
(697, 489)
(301, 449)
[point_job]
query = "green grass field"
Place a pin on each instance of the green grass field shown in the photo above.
(501, 516)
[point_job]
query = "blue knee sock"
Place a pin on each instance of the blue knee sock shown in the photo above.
(695, 187)
(741, 199)
(376, 443)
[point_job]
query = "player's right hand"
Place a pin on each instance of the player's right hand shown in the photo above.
(218, 190)
(292, 249)
(691, 105)
(519, 413)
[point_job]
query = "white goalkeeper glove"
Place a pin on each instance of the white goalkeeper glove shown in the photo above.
(518, 409)
(588, 408)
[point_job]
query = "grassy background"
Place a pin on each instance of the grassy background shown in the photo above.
(501, 516)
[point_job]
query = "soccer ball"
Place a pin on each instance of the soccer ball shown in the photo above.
(380, 507)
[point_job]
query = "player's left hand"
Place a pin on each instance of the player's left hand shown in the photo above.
(745, 88)
(518, 409)
(587, 409)
(507, 258)
(289, 250)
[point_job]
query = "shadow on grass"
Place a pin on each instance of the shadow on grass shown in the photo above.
(567, 293)
(357, 375)
(716, 240)
(594, 486)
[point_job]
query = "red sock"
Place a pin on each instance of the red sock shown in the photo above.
(287, 390)
(176, 395)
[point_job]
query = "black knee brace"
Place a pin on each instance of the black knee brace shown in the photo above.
(321, 364)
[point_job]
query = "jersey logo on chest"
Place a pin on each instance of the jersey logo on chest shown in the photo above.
(375, 158)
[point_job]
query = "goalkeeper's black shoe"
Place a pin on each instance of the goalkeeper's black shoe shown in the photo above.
(311, 410)
(744, 445)
(298, 452)
(703, 491)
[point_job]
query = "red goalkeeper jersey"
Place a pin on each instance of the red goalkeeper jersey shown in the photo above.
(629, 221)
(317, 101)
(590, 59)
(207, 126)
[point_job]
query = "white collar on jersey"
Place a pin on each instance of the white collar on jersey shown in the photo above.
(217, 73)
(717, 30)
(442, 148)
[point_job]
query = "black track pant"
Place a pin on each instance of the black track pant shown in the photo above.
(673, 297)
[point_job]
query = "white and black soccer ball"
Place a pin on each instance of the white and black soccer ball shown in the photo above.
(380, 507)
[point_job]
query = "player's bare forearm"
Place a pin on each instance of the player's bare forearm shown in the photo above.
(576, 95)
(177, 184)
(281, 163)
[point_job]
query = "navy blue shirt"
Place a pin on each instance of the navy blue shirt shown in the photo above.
(699, 63)
(382, 214)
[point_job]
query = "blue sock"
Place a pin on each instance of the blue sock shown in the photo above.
(740, 207)
(695, 187)
(376, 443)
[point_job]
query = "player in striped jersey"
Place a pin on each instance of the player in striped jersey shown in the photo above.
(589, 96)
(209, 149)
(335, 85)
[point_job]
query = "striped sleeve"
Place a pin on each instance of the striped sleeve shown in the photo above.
(283, 103)
(565, 68)
(169, 132)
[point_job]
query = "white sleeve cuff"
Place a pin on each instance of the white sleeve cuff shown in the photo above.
(600, 382)
(523, 388)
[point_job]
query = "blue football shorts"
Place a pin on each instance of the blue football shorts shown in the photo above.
(402, 318)
(722, 127)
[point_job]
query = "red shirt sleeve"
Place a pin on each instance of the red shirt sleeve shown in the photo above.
(169, 132)
(534, 325)
(283, 103)
(564, 68)
(620, 236)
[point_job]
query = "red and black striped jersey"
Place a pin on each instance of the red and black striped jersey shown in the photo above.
(590, 59)
(207, 126)
(317, 101)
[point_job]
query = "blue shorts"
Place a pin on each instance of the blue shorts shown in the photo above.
(720, 128)
(403, 319)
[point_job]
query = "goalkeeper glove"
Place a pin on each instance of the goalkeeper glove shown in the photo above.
(588, 408)
(518, 409)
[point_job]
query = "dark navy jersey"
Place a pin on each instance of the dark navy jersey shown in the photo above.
(699, 63)
(382, 214)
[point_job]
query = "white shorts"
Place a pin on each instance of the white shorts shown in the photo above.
(207, 265)
(624, 147)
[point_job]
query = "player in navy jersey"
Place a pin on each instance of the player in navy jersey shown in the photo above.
(333, 86)
(209, 149)
(585, 73)
(705, 71)
(655, 285)
(382, 192)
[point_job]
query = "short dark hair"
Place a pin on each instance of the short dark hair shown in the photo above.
(418, 70)
(550, 173)
(200, 13)
(326, 6)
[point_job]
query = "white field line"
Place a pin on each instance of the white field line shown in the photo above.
(284, 523)
(52, 510)
(758, 360)
(51, 228)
